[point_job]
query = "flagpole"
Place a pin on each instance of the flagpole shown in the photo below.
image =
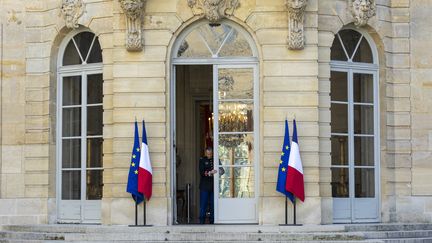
(286, 210)
(136, 213)
(294, 204)
(144, 211)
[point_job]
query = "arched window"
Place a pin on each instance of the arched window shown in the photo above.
(222, 40)
(79, 128)
(354, 127)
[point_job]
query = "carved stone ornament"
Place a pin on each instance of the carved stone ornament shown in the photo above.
(214, 10)
(134, 11)
(362, 11)
(72, 10)
(296, 11)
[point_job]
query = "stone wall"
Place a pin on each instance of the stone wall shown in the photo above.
(420, 193)
(136, 84)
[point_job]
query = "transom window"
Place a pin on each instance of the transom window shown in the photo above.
(82, 49)
(80, 129)
(214, 40)
(354, 128)
(351, 46)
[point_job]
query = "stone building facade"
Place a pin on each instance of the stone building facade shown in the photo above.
(291, 55)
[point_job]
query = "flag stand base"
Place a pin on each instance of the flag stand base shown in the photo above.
(290, 224)
(144, 216)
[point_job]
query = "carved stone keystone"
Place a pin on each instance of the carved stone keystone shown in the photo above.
(72, 10)
(213, 10)
(134, 11)
(362, 11)
(296, 11)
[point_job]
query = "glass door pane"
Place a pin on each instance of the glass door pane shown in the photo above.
(94, 151)
(71, 102)
(363, 135)
(235, 110)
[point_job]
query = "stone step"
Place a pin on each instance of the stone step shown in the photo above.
(387, 227)
(409, 240)
(31, 235)
(398, 234)
(121, 241)
(215, 236)
(179, 229)
(22, 241)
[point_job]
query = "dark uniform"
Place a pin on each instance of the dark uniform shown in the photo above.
(206, 188)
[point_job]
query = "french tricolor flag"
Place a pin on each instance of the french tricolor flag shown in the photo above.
(294, 181)
(145, 168)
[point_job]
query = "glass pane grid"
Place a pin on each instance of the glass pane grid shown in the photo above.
(71, 185)
(237, 183)
(94, 185)
(235, 84)
(71, 126)
(353, 175)
(235, 116)
(340, 182)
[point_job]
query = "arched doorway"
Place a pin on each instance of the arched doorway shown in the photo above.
(354, 127)
(215, 103)
(79, 129)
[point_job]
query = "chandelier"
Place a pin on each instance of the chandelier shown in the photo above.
(232, 118)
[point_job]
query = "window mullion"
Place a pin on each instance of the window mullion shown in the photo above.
(356, 48)
(343, 47)
(224, 41)
(83, 139)
(351, 140)
(90, 49)
(78, 50)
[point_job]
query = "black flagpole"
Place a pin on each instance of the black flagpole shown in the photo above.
(144, 211)
(286, 210)
(136, 213)
(294, 204)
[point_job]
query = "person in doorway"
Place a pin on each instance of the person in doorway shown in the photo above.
(207, 172)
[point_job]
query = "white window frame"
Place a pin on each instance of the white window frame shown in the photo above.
(352, 68)
(82, 70)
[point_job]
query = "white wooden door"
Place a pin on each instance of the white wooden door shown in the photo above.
(236, 143)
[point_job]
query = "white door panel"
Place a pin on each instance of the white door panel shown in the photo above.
(236, 143)
(236, 211)
(70, 211)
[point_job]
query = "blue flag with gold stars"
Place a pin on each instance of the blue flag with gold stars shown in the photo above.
(283, 165)
(132, 185)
